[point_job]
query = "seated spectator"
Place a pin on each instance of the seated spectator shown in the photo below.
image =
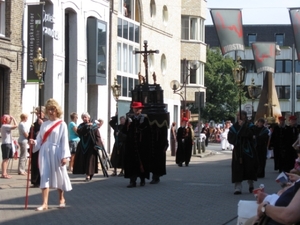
(296, 168)
(286, 207)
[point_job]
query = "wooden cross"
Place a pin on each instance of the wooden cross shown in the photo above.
(145, 54)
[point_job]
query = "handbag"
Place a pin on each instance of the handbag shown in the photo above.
(263, 221)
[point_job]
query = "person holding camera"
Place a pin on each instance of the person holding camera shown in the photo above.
(6, 146)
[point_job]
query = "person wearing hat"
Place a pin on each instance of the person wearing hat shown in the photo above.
(35, 172)
(279, 144)
(184, 143)
(137, 150)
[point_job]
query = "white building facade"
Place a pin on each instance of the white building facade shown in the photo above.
(89, 43)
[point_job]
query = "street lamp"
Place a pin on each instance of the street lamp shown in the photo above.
(254, 92)
(116, 89)
(239, 77)
(177, 87)
(39, 65)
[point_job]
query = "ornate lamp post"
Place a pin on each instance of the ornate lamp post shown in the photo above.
(177, 87)
(239, 77)
(39, 65)
(254, 92)
(116, 89)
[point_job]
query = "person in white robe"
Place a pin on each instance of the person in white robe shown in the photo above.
(54, 153)
(224, 141)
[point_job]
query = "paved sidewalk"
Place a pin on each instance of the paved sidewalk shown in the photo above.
(199, 194)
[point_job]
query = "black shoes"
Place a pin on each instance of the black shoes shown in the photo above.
(180, 164)
(154, 181)
(186, 164)
(142, 184)
(131, 185)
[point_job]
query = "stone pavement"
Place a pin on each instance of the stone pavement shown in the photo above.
(199, 194)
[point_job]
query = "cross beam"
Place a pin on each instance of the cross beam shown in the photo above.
(145, 54)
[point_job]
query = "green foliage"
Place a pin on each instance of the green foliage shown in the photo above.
(222, 94)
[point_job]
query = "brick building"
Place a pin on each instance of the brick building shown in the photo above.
(11, 82)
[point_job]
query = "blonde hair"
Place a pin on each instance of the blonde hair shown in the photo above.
(52, 103)
(23, 116)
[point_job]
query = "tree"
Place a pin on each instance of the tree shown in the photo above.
(222, 94)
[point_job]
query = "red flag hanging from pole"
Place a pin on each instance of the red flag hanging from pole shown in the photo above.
(229, 27)
(295, 21)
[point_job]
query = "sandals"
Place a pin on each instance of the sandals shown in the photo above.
(41, 208)
(22, 173)
(6, 176)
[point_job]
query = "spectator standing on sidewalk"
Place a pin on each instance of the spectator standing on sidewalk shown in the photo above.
(244, 162)
(6, 146)
(23, 143)
(73, 138)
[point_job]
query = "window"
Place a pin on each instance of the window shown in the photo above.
(283, 92)
(298, 91)
(2, 17)
(297, 66)
(165, 15)
(283, 66)
(128, 30)
(126, 7)
(192, 28)
(163, 64)
(249, 65)
(288, 66)
(279, 66)
(279, 38)
(190, 72)
(251, 39)
(127, 84)
(152, 9)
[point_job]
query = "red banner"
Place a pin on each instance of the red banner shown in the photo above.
(229, 27)
(264, 56)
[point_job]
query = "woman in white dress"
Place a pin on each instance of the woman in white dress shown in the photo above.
(53, 145)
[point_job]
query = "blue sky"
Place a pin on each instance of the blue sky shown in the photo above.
(257, 11)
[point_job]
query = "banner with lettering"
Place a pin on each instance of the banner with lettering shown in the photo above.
(295, 21)
(264, 56)
(34, 37)
(229, 27)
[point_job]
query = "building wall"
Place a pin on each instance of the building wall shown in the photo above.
(76, 95)
(11, 60)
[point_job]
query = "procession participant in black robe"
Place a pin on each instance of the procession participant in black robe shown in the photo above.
(261, 140)
(184, 143)
(279, 144)
(119, 145)
(159, 145)
(34, 167)
(137, 148)
(86, 156)
(292, 136)
(244, 162)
